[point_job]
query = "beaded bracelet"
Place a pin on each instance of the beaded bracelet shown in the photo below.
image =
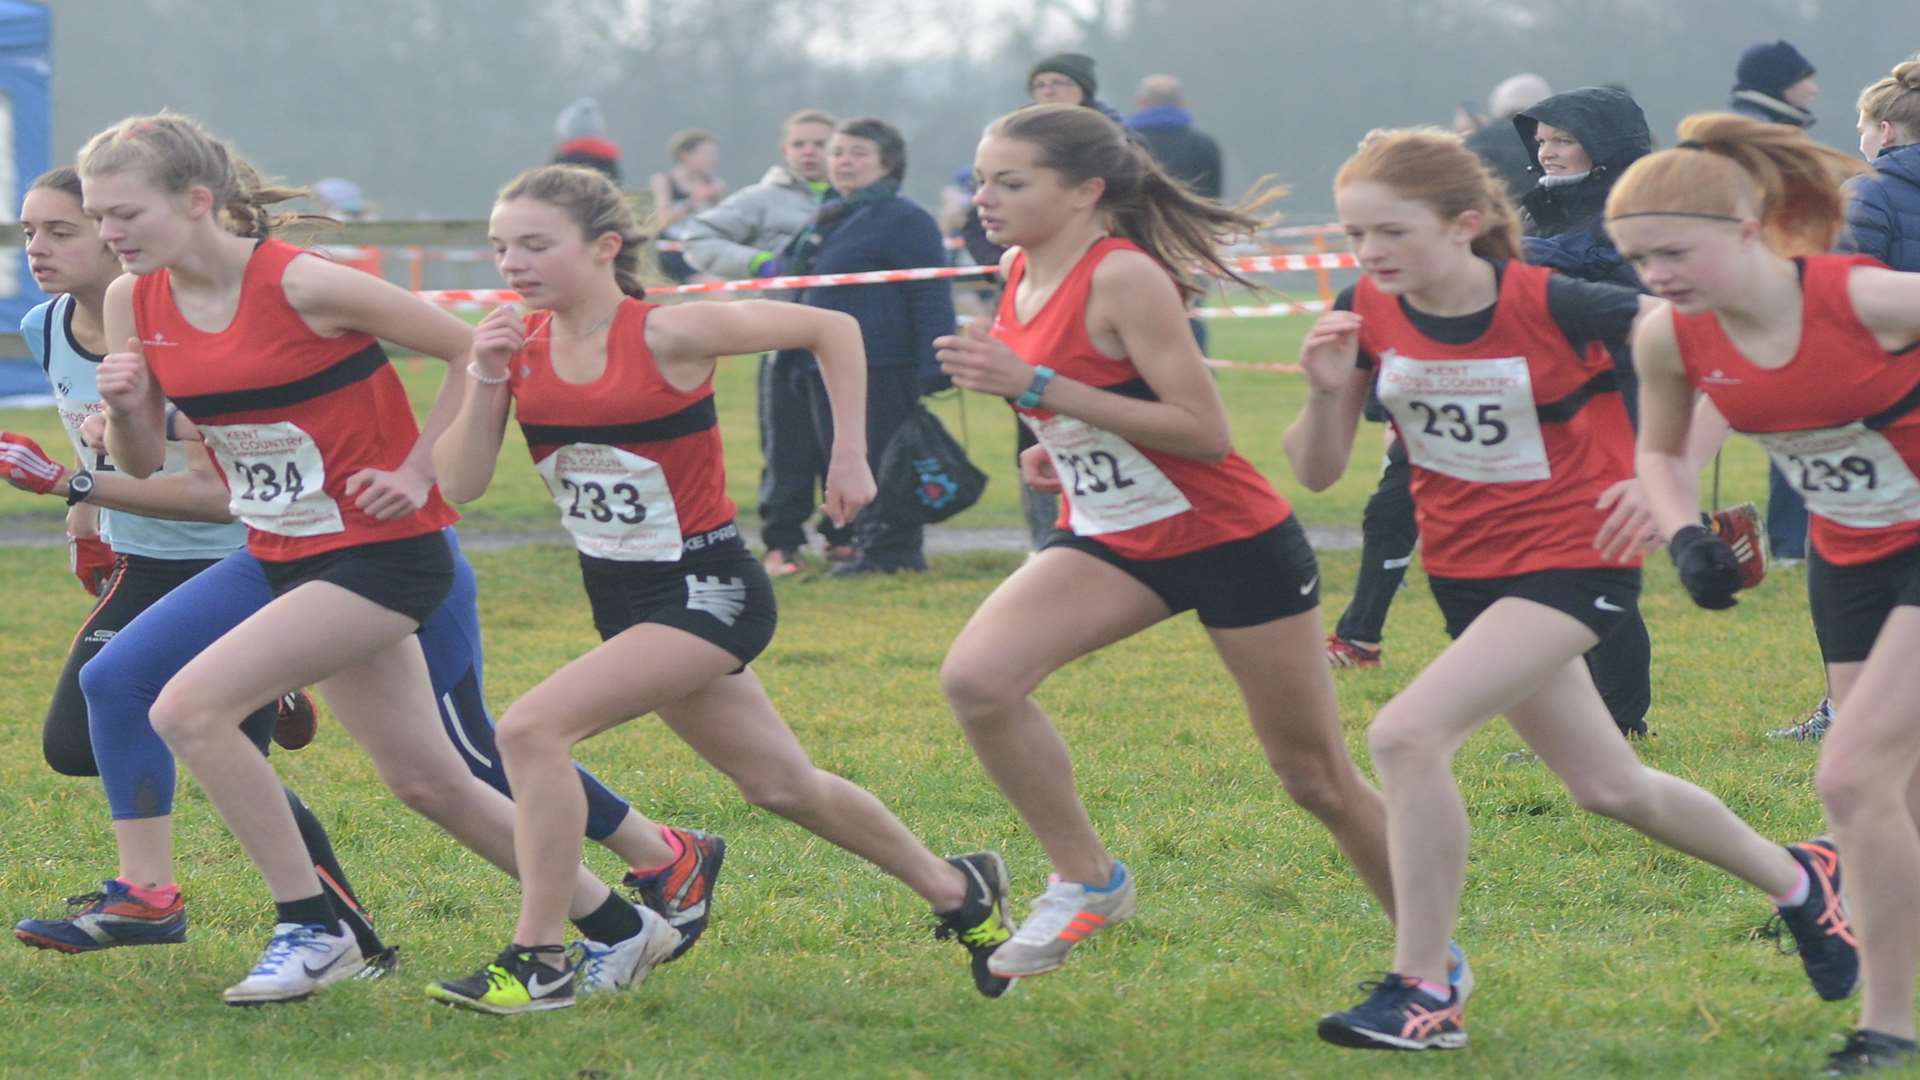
(481, 377)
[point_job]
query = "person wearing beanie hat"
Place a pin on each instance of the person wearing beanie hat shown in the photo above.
(582, 132)
(1078, 69)
(1774, 82)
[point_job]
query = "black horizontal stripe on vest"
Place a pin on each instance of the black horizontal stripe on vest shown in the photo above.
(342, 374)
(1894, 411)
(697, 417)
(1563, 410)
(1133, 388)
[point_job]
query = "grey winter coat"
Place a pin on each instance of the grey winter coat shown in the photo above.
(723, 240)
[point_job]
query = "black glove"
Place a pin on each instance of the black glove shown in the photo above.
(1708, 567)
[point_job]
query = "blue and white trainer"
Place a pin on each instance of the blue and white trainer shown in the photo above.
(604, 968)
(301, 959)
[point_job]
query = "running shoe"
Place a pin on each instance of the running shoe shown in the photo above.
(1342, 653)
(516, 982)
(781, 562)
(380, 964)
(604, 968)
(106, 919)
(980, 922)
(840, 553)
(1812, 729)
(1398, 1015)
(1868, 1051)
(683, 890)
(294, 722)
(1064, 916)
(1740, 527)
(1819, 924)
(301, 959)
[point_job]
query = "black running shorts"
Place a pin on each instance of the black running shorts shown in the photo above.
(1600, 598)
(717, 592)
(411, 576)
(1267, 576)
(1851, 603)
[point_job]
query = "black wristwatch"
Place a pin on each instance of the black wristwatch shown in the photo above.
(79, 487)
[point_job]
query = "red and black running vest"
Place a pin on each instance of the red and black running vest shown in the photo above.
(288, 415)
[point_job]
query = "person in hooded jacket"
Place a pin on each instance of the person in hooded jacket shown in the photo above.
(1579, 143)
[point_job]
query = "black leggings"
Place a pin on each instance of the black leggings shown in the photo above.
(137, 583)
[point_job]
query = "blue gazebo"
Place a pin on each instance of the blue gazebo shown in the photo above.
(26, 151)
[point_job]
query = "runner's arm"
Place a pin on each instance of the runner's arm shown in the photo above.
(464, 455)
(1320, 441)
(1671, 484)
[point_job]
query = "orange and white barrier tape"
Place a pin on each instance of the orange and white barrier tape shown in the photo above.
(1263, 264)
(1274, 264)
(1259, 311)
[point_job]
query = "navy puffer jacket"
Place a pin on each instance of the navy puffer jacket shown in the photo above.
(1883, 216)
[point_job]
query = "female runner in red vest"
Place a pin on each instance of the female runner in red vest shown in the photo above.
(615, 397)
(1814, 357)
(1498, 376)
(1092, 347)
(274, 356)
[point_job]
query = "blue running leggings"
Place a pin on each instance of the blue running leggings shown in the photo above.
(123, 681)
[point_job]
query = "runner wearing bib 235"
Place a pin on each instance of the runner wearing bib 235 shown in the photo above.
(1523, 485)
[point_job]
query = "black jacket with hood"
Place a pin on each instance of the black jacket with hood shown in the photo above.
(1564, 222)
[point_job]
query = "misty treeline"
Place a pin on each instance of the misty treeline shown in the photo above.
(431, 104)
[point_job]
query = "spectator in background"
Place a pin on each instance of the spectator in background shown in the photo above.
(1497, 143)
(1164, 126)
(866, 224)
(743, 237)
(582, 132)
(687, 187)
(1774, 82)
(1068, 79)
(1883, 216)
(1579, 143)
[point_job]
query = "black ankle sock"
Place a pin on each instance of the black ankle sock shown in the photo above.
(615, 920)
(313, 910)
(333, 880)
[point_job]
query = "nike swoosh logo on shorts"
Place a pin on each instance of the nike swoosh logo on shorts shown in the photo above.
(1603, 604)
(1311, 582)
(536, 988)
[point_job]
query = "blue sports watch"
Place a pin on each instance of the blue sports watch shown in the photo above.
(1042, 375)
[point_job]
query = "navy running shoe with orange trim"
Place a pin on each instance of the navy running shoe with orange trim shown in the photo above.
(1398, 1015)
(106, 919)
(683, 890)
(1819, 926)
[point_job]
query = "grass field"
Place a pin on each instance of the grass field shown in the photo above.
(1599, 954)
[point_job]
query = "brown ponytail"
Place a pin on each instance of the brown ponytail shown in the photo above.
(1145, 204)
(1729, 166)
(589, 197)
(1435, 167)
(176, 154)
